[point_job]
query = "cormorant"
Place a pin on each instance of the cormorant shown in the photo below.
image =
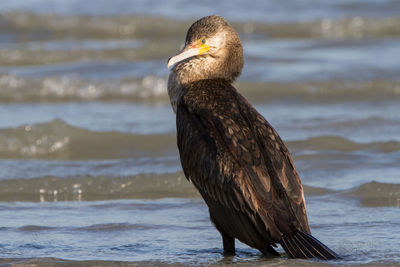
(229, 151)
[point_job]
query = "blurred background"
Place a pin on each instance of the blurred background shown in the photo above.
(89, 168)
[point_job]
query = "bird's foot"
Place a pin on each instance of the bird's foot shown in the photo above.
(228, 253)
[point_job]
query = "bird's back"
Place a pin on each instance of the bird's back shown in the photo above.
(239, 164)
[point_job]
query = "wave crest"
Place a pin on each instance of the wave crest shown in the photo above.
(134, 26)
(57, 139)
(51, 188)
(153, 89)
(375, 194)
(337, 143)
(67, 88)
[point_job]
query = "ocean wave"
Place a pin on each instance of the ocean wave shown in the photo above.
(29, 55)
(69, 88)
(51, 188)
(153, 186)
(346, 28)
(321, 91)
(86, 26)
(58, 140)
(62, 51)
(107, 227)
(376, 194)
(151, 27)
(91, 228)
(153, 89)
(337, 143)
(34, 228)
(33, 39)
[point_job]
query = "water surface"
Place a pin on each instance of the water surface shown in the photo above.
(89, 169)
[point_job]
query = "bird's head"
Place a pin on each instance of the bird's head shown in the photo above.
(212, 51)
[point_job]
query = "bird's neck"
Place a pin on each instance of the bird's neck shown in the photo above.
(191, 71)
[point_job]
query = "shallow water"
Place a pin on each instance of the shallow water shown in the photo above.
(89, 169)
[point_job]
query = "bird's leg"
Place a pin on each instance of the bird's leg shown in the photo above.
(228, 241)
(269, 251)
(229, 244)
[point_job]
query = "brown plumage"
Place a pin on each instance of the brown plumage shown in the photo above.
(233, 156)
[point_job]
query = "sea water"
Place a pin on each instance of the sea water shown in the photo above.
(89, 168)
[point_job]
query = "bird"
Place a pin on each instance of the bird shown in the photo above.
(231, 153)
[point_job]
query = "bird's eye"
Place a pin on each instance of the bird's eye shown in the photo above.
(203, 41)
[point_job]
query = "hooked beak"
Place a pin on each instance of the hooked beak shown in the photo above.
(191, 50)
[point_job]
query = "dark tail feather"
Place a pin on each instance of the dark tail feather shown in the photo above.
(303, 245)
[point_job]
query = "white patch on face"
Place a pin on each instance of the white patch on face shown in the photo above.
(217, 41)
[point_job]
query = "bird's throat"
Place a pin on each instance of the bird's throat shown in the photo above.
(190, 71)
